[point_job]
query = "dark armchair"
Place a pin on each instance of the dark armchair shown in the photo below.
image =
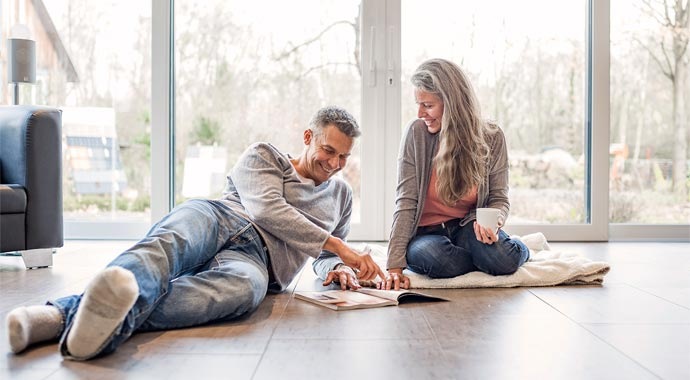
(31, 183)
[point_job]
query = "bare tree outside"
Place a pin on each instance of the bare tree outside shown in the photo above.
(669, 50)
(649, 112)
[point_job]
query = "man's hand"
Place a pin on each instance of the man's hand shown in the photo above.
(343, 275)
(395, 280)
(361, 261)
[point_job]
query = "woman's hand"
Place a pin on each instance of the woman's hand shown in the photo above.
(343, 275)
(395, 280)
(485, 235)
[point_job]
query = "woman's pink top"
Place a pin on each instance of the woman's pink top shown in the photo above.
(435, 212)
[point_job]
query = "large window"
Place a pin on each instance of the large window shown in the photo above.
(160, 98)
(650, 113)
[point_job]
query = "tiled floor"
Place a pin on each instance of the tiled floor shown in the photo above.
(635, 326)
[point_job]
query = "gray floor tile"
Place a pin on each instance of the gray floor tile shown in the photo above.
(663, 349)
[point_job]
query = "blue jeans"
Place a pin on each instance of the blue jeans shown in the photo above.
(453, 250)
(201, 263)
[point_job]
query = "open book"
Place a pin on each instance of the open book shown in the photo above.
(363, 298)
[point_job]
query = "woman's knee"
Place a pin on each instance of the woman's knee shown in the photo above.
(424, 248)
(507, 258)
(503, 267)
(432, 255)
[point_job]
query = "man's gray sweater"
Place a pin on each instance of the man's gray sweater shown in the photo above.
(293, 215)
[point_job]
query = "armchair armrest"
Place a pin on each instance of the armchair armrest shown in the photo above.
(31, 156)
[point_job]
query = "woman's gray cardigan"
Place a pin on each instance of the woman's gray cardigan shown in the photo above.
(414, 171)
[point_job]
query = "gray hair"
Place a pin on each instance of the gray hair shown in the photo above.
(463, 151)
(339, 117)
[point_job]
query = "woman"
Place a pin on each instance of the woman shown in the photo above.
(451, 162)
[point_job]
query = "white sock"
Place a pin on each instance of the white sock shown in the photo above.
(27, 325)
(536, 242)
(106, 301)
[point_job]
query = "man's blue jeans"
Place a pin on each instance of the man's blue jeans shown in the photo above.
(200, 263)
(453, 250)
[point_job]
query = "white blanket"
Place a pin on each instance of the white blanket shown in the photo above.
(544, 268)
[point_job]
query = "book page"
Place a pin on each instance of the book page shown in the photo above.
(387, 294)
(349, 298)
(324, 298)
(398, 295)
(344, 299)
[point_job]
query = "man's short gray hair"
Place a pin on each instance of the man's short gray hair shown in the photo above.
(336, 116)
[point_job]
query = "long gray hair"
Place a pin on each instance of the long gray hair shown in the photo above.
(463, 151)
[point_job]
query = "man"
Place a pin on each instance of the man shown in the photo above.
(212, 260)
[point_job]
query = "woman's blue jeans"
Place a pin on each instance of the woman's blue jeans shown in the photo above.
(200, 263)
(453, 250)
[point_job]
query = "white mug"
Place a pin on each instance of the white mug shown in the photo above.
(488, 217)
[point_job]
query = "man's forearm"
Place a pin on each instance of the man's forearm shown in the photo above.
(335, 245)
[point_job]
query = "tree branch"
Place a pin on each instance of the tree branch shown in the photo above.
(661, 18)
(667, 17)
(314, 39)
(319, 67)
(669, 64)
(667, 71)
